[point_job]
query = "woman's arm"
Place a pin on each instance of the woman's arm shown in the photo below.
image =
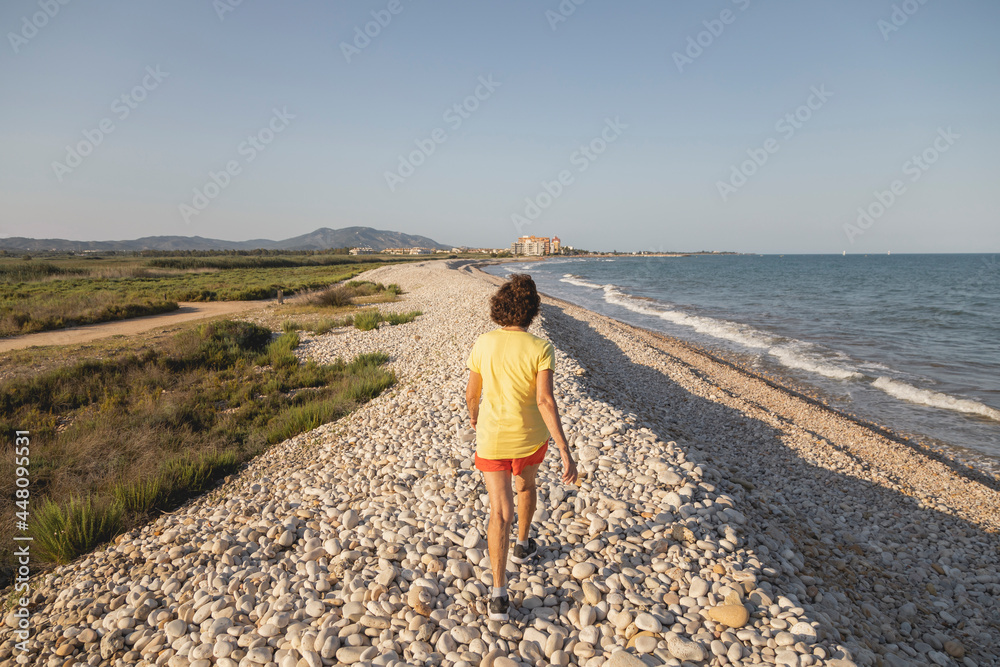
(473, 390)
(550, 415)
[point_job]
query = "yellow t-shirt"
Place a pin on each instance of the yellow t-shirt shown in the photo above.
(510, 425)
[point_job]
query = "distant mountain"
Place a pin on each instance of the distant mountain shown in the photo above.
(357, 236)
(321, 239)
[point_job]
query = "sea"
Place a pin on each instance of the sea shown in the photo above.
(910, 342)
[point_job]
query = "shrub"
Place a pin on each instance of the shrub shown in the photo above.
(64, 532)
(139, 496)
(335, 297)
(401, 318)
(304, 418)
(289, 326)
(326, 325)
(117, 439)
(279, 352)
(367, 320)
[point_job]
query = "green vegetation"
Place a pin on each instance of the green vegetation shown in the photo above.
(62, 532)
(42, 295)
(367, 320)
(345, 294)
(117, 439)
(401, 318)
(326, 325)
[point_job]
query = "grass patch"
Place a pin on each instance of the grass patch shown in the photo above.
(367, 320)
(40, 296)
(289, 326)
(345, 294)
(63, 531)
(43, 313)
(115, 440)
(401, 318)
(326, 325)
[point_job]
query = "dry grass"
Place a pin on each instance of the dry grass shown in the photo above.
(145, 430)
(40, 296)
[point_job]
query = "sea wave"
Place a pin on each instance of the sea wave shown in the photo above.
(790, 353)
(935, 399)
(578, 281)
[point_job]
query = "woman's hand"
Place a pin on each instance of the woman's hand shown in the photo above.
(569, 466)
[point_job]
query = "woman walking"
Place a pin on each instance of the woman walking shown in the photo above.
(511, 370)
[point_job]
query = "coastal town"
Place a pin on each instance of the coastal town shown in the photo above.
(531, 246)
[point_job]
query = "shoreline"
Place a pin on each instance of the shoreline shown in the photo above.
(982, 475)
(363, 541)
(984, 466)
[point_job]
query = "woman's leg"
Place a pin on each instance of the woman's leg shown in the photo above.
(501, 516)
(527, 499)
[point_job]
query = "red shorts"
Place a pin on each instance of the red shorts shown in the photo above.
(516, 466)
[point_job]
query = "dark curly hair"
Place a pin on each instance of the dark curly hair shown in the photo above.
(516, 303)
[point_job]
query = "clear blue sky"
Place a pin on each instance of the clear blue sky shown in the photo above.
(681, 130)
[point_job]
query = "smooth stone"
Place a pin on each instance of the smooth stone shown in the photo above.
(699, 587)
(583, 570)
(732, 615)
(803, 632)
(648, 622)
(259, 654)
(351, 654)
(531, 651)
(591, 592)
(353, 611)
(646, 644)
(685, 649)
(624, 659)
(503, 661)
(175, 628)
(463, 634)
(535, 635)
(784, 639)
(786, 658)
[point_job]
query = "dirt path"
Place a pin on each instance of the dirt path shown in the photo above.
(89, 332)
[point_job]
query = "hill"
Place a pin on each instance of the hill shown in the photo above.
(321, 239)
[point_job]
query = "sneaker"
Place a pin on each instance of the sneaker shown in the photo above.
(522, 554)
(499, 607)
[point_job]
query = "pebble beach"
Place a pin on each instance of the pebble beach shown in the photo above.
(719, 519)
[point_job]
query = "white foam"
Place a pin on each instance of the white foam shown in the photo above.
(907, 392)
(578, 281)
(804, 361)
(793, 354)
